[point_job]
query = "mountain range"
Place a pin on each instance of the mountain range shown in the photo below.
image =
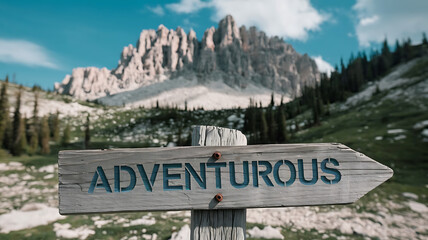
(227, 67)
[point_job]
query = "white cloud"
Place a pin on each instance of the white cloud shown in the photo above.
(158, 10)
(26, 53)
(323, 66)
(188, 6)
(394, 19)
(286, 18)
(368, 20)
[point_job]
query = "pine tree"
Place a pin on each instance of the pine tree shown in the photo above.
(65, 140)
(367, 73)
(22, 143)
(45, 136)
(247, 118)
(25, 133)
(374, 59)
(314, 106)
(27, 129)
(55, 127)
(35, 127)
(336, 91)
(272, 127)
(87, 133)
(282, 127)
(264, 138)
(358, 74)
(4, 110)
(398, 53)
(386, 57)
(424, 39)
(342, 66)
(8, 134)
(351, 58)
(34, 142)
(271, 120)
(18, 132)
(320, 104)
(180, 130)
(272, 101)
(36, 108)
(343, 76)
(250, 122)
(408, 50)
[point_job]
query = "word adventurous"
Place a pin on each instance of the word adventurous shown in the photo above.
(270, 174)
(189, 178)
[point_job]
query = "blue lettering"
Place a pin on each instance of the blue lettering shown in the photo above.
(105, 184)
(143, 174)
(116, 179)
(264, 174)
(255, 174)
(167, 177)
(276, 173)
(331, 175)
(201, 180)
(132, 178)
(302, 174)
(245, 175)
(335, 172)
(292, 173)
(217, 167)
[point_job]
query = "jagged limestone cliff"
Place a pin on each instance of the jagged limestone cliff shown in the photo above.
(237, 56)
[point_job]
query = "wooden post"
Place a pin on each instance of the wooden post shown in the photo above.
(218, 224)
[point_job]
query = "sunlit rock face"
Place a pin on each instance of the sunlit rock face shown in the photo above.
(237, 56)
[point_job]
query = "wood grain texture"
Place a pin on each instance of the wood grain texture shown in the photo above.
(360, 174)
(218, 224)
(216, 136)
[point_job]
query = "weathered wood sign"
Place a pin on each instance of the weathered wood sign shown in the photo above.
(95, 181)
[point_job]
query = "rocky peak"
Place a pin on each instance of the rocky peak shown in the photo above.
(144, 42)
(192, 35)
(227, 31)
(208, 39)
(237, 56)
(162, 35)
(180, 32)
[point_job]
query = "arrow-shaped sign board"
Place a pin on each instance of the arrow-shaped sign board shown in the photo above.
(184, 178)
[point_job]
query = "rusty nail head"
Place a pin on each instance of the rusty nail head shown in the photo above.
(219, 197)
(217, 155)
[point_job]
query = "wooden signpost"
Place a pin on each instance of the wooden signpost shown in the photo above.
(214, 177)
(218, 224)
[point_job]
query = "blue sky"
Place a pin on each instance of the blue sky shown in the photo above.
(42, 41)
